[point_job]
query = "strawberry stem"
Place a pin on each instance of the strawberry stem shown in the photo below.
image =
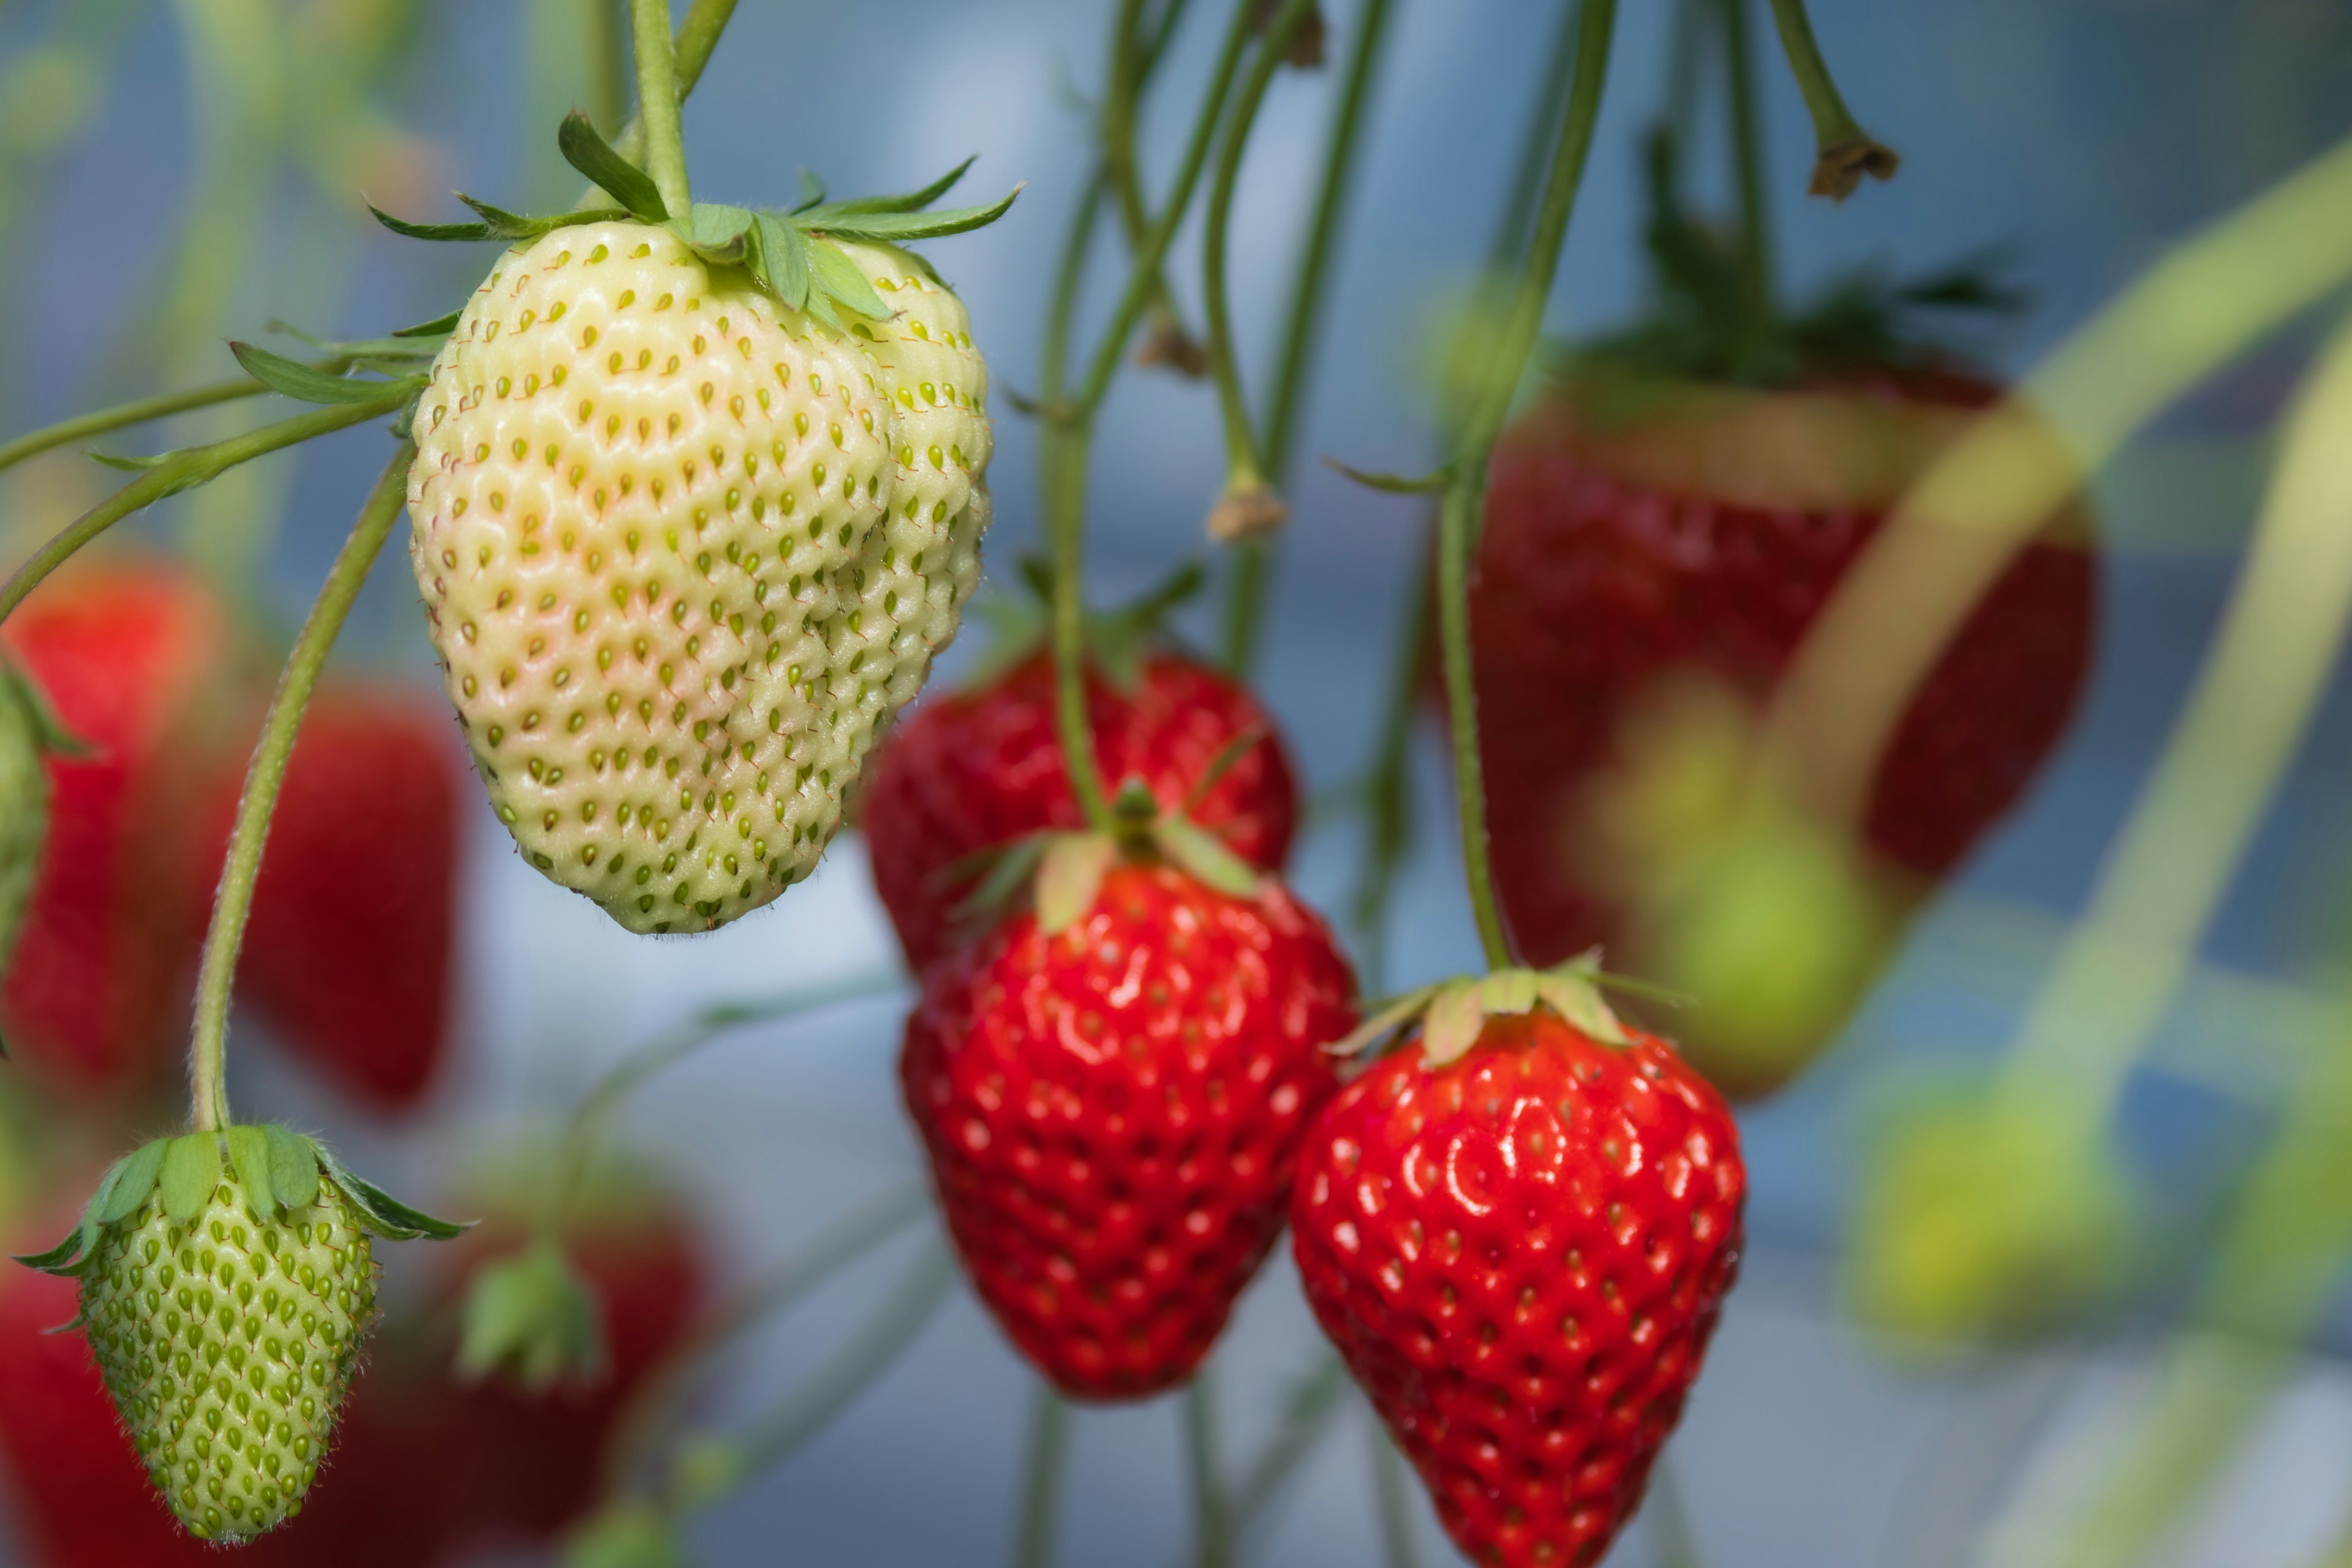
(1041, 1489)
(1212, 1518)
(97, 423)
(1310, 292)
(1755, 260)
(1393, 1496)
(1465, 491)
(1132, 61)
(216, 974)
(1843, 151)
(657, 101)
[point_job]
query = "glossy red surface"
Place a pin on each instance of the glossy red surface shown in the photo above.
(1112, 1114)
(1521, 1256)
(971, 770)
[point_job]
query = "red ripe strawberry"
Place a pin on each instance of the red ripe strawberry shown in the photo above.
(132, 660)
(1520, 1254)
(532, 1463)
(970, 770)
(1698, 529)
(348, 954)
(1112, 1112)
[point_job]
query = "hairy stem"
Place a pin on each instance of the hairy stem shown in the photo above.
(1755, 285)
(1842, 151)
(121, 416)
(1041, 1485)
(1244, 468)
(657, 101)
(585, 1131)
(691, 48)
(1212, 1520)
(183, 471)
(1465, 490)
(217, 972)
(1310, 292)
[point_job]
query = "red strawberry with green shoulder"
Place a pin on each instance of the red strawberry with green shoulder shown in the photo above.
(1111, 1088)
(974, 769)
(1517, 1229)
(1670, 515)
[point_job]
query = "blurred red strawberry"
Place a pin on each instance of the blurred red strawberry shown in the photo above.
(971, 770)
(348, 955)
(132, 659)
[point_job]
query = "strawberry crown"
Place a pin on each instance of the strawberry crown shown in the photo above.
(792, 254)
(1452, 1013)
(279, 1169)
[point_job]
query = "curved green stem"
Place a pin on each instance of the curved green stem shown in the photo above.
(1041, 1485)
(1388, 788)
(1064, 450)
(1392, 1495)
(657, 100)
(1244, 468)
(1842, 151)
(586, 1130)
(1054, 374)
(1306, 1419)
(181, 472)
(1465, 491)
(1755, 285)
(1212, 1519)
(1152, 253)
(122, 415)
(1535, 153)
(217, 972)
(1133, 60)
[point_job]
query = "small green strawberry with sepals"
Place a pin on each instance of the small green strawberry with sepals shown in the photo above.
(227, 1279)
(29, 734)
(697, 499)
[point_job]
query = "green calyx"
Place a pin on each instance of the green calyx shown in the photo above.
(1452, 1013)
(1701, 325)
(1066, 870)
(791, 253)
(531, 1318)
(276, 1169)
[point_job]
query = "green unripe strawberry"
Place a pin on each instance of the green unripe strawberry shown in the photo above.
(227, 1279)
(685, 550)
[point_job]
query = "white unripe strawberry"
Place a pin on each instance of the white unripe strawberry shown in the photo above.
(685, 550)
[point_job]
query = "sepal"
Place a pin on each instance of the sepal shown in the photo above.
(379, 1211)
(1452, 1014)
(589, 152)
(531, 1318)
(309, 384)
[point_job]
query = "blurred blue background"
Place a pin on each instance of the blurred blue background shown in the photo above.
(2083, 136)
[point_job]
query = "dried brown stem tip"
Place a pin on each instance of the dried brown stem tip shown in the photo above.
(1304, 49)
(1839, 169)
(1167, 343)
(1246, 514)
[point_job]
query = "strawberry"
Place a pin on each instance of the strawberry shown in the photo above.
(971, 771)
(226, 1280)
(686, 548)
(1111, 1093)
(348, 952)
(132, 659)
(1518, 1230)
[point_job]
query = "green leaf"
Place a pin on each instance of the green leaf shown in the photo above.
(838, 277)
(900, 227)
(717, 232)
(1386, 1021)
(49, 731)
(438, 327)
(1070, 878)
(379, 1210)
(431, 230)
(248, 1155)
(300, 381)
(1509, 991)
(784, 252)
(1578, 1000)
(1003, 871)
(899, 204)
(812, 191)
(531, 1317)
(1455, 1018)
(1239, 745)
(132, 1181)
(1396, 484)
(1207, 857)
(59, 1259)
(130, 464)
(293, 1167)
(191, 1170)
(594, 156)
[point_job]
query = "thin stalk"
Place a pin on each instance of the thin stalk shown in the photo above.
(1308, 1415)
(1042, 1475)
(1672, 1535)
(1755, 283)
(1393, 1496)
(1132, 61)
(1212, 1520)
(1465, 491)
(1054, 375)
(713, 1471)
(217, 972)
(1310, 294)
(1163, 32)
(1152, 253)
(607, 62)
(587, 1128)
(122, 415)
(1535, 153)
(1842, 151)
(1388, 789)
(691, 48)
(181, 472)
(1064, 451)
(657, 100)
(1246, 472)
